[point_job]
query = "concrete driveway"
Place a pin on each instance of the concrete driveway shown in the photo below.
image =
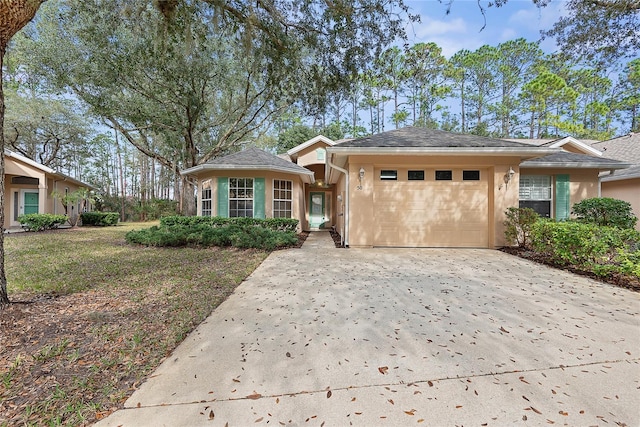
(320, 336)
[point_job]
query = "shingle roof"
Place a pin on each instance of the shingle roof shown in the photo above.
(251, 158)
(625, 148)
(573, 160)
(424, 137)
(632, 172)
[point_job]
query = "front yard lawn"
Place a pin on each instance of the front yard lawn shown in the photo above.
(92, 316)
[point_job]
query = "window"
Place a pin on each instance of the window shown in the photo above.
(282, 197)
(535, 193)
(471, 175)
(241, 197)
(320, 154)
(389, 175)
(206, 198)
(444, 175)
(415, 175)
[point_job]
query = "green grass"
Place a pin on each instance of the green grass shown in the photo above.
(118, 311)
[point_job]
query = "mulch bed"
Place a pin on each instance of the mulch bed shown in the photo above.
(337, 239)
(620, 280)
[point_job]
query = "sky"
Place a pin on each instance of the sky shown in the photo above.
(462, 28)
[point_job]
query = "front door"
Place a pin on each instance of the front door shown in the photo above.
(316, 210)
(30, 205)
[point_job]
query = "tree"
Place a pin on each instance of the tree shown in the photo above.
(14, 14)
(79, 198)
(294, 136)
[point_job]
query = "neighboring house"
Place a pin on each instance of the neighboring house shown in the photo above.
(28, 188)
(411, 187)
(622, 184)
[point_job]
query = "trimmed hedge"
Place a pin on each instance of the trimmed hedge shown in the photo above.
(40, 222)
(599, 249)
(100, 219)
(240, 236)
(275, 224)
(605, 211)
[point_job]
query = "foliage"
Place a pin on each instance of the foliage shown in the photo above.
(605, 211)
(81, 198)
(518, 225)
(275, 224)
(596, 248)
(244, 233)
(100, 219)
(41, 222)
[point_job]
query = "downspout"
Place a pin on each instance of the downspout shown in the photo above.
(345, 233)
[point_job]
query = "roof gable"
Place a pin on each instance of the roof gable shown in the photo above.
(321, 140)
(579, 145)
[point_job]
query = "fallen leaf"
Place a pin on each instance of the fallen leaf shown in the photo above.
(288, 354)
(536, 411)
(259, 420)
(411, 412)
(430, 383)
(211, 415)
(254, 396)
(563, 413)
(391, 401)
(329, 394)
(383, 369)
(458, 406)
(504, 330)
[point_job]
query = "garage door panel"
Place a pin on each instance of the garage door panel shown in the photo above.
(444, 214)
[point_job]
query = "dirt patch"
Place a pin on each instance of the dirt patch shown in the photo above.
(620, 280)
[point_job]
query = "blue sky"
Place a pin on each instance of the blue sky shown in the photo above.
(461, 28)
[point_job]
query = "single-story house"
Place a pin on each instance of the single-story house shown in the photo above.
(622, 184)
(29, 186)
(410, 187)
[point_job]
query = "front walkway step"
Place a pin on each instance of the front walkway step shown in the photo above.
(319, 240)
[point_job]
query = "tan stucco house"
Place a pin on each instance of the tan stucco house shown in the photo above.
(411, 187)
(622, 184)
(29, 186)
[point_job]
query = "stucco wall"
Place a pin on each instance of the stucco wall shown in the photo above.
(499, 195)
(297, 205)
(583, 183)
(627, 190)
(309, 156)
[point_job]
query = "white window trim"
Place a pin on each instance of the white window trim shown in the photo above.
(273, 204)
(253, 198)
(203, 199)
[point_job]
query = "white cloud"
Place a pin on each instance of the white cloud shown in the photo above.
(537, 19)
(432, 27)
(508, 34)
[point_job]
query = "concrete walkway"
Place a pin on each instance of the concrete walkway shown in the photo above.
(323, 336)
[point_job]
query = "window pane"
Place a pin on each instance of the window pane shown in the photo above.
(415, 175)
(389, 175)
(471, 175)
(444, 175)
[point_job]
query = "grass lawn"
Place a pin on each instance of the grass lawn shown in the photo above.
(92, 316)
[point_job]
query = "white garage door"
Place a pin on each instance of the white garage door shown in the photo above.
(450, 212)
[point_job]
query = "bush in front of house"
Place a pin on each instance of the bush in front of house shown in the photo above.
(100, 219)
(518, 225)
(275, 224)
(40, 222)
(605, 211)
(600, 249)
(202, 234)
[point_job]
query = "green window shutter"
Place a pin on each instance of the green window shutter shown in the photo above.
(223, 197)
(258, 197)
(562, 197)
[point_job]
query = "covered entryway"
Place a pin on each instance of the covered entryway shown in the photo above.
(452, 212)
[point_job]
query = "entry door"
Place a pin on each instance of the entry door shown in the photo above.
(30, 205)
(316, 210)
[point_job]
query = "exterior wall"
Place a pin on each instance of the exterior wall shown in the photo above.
(309, 156)
(499, 195)
(627, 190)
(583, 183)
(47, 184)
(297, 203)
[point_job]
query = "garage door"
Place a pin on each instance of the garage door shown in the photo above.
(451, 212)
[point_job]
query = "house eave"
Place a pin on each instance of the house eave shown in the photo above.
(574, 165)
(611, 178)
(306, 176)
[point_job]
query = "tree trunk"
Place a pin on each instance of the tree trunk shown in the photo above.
(14, 14)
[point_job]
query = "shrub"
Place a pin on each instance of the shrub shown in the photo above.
(518, 225)
(275, 224)
(242, 233)
(100, 219)
(40, 222)
(595, 248)
(605, 211)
